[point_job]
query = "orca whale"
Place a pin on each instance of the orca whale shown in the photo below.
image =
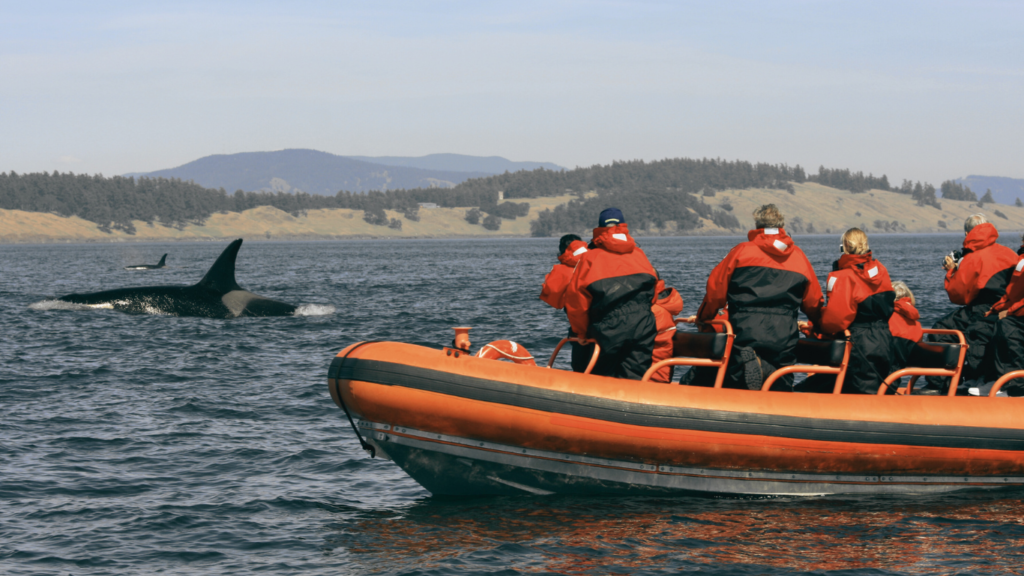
(217, 295)
(159, 264)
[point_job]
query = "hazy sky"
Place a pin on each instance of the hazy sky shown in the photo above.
(920, 90)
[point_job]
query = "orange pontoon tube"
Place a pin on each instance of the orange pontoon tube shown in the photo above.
(462, 425)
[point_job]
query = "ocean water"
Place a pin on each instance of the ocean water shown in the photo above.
(148, 444)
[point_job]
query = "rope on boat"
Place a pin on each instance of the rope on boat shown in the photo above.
(337, 390)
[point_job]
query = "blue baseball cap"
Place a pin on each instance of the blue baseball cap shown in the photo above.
(610, 217)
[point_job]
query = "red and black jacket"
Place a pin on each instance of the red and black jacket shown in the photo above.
(861, 300)
(1013, 300)
(764, 282)
(611, 289)
(556, 281)
(860, 291)
(905, 325)
(985, 270)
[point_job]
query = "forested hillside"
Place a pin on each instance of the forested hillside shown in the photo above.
(652, 193)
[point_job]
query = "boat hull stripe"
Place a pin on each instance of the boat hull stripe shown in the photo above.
(673, 417)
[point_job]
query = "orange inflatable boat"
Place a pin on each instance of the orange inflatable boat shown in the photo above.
(466, 425)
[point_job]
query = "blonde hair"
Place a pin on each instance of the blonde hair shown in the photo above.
(769, 216)
(855, 241)
(903, 291)
(973, 220)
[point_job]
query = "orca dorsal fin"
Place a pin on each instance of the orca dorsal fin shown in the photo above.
(221, 276)
(162, 258)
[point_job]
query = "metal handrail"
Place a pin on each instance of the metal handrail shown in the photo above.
(582, 341)
(812, 369)
(1003, 380)
(721, 363)
(916, 373)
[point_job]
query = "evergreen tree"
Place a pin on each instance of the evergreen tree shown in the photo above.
(955, 191)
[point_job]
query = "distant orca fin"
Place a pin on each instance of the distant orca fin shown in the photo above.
(162, 258)
(221, 277)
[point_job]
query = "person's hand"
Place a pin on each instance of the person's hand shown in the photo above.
(1003, 314)
(690, 319)
(948, 263)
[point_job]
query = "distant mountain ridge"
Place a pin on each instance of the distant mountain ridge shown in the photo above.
(1004, 190)
(458, 163)
(325, 174)
(310, 171)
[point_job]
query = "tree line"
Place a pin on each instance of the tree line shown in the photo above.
(644, 209)
(656, 190)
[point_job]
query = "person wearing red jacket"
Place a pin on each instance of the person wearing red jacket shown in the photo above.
(975, 282)
(570, 248)
(764, 282)
(904, 324)
(860, 299)
(1006, 349)
(665, 308)
(609, 299)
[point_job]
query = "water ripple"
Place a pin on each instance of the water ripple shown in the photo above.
(139, 444)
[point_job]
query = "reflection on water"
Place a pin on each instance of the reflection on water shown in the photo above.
(565, 535)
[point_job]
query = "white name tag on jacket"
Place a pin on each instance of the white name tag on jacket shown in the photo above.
(1020, 265)
(780, 245)
(619, 237)
(831, 284)
(771, 231)
(873, 272)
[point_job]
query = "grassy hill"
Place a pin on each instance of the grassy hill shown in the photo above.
(811, 208)
(266, 223)
(832, 211)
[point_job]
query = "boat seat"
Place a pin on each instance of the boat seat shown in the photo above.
(815, 356)
(931, 359)
(704, 349)
(699, 344)
(935, 355)
(820, 352)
